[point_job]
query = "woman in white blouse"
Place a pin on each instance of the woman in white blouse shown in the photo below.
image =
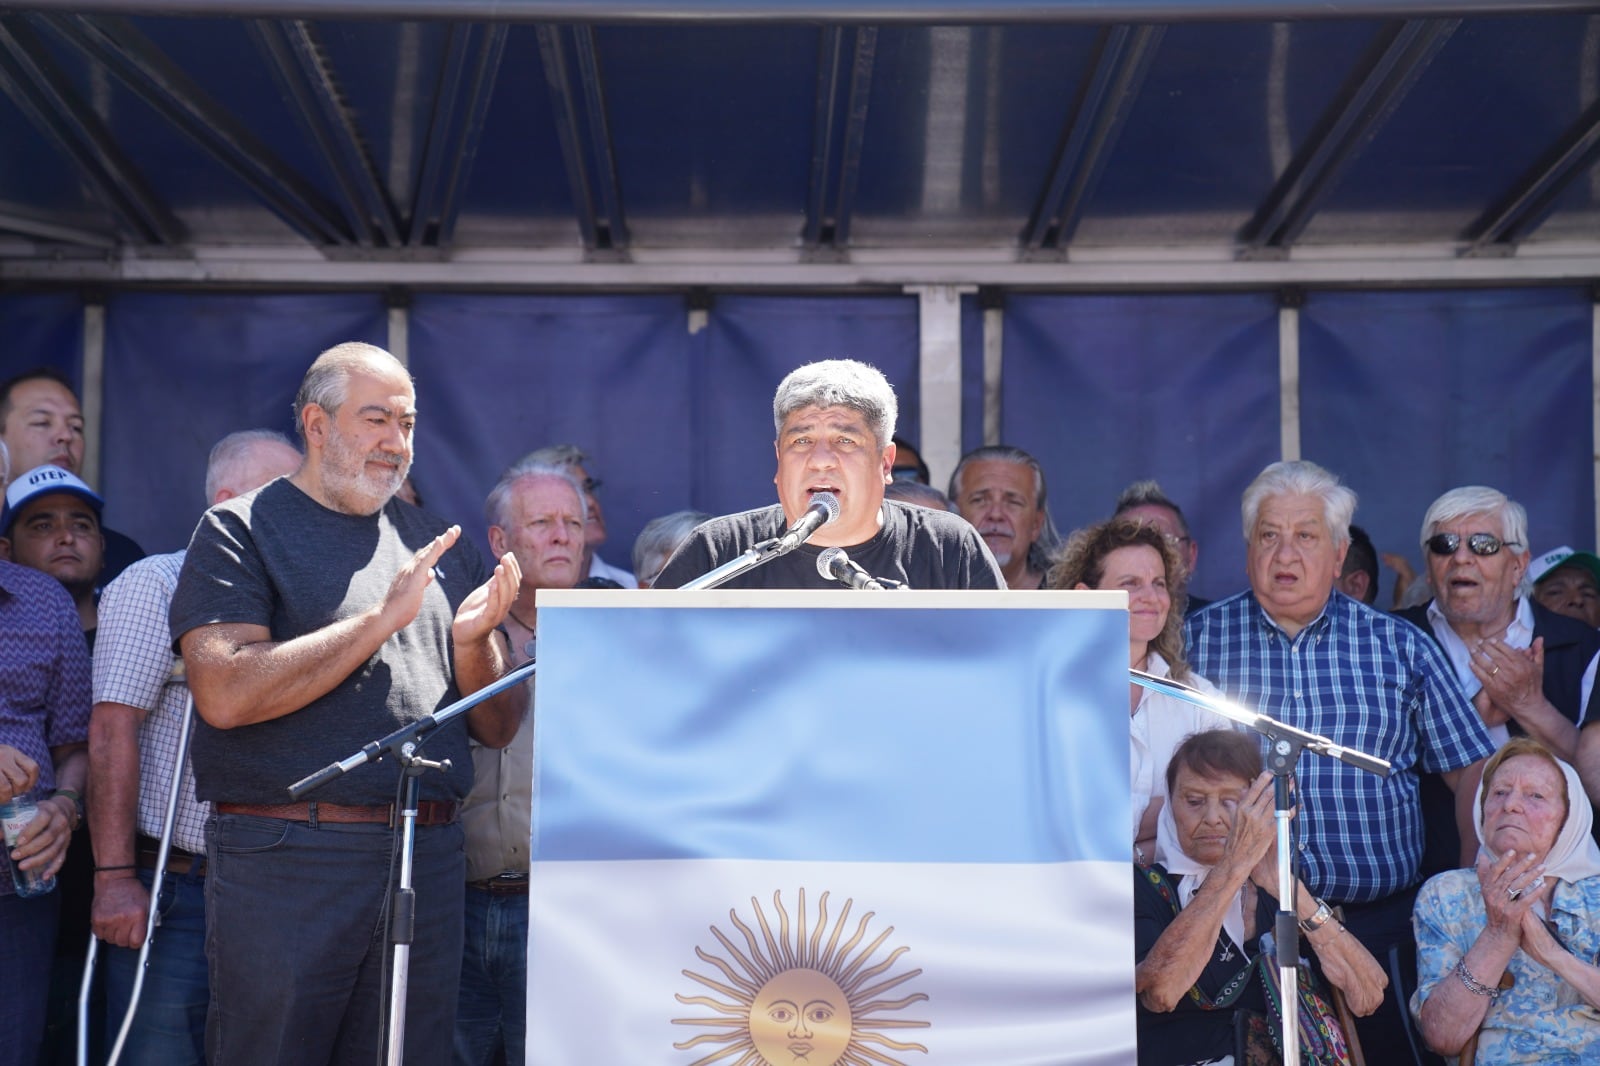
(1136, 557)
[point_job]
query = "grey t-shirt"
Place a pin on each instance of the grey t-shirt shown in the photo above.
(279, 559)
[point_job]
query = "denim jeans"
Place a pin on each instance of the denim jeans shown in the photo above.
(27, 954)
(169, 1028)
(297, 935)
(494, 980)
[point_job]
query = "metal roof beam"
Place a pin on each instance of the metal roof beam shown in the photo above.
(830, 62)
(597, 227)
(162, 84)
(484, 73)
(1110, 89)
(42, 91)
(461, 105)
(848, 12)
(1525, 208)
(838, 133)
(30, 224)
(1391, 67)
(1092, 269)
(615, 228)
(303, 68)
(855, 129)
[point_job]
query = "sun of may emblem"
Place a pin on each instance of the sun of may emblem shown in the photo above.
(789, 999)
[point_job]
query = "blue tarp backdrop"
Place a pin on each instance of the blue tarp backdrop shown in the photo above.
(1106, 390)
(1408, 394)
(1404, 394)
(185, 370)
(41, 329)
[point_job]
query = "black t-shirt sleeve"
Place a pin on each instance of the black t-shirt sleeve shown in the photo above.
(692, 559)
(223, 580)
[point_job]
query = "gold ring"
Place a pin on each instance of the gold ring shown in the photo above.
(1496, 670)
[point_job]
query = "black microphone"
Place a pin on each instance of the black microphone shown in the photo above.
(824, 508)
(835, 565)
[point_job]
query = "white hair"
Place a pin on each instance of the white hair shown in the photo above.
(327, 382)
(1478, 499)
(839, 383)
(494, 507)
(659, 538)
(232, 451)
(1300, 477)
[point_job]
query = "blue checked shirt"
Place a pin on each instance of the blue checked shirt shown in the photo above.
(1366, 680)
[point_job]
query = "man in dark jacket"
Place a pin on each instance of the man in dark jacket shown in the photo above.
(1521, 665)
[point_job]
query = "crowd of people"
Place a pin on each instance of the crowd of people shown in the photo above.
(320, 606)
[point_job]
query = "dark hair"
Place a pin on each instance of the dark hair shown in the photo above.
(38, 373)
(904, 446)
(1364, 557)
(1215, 753)
(1083, 560)
(1049, 539)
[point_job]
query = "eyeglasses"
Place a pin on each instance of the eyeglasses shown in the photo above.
(1477, 543)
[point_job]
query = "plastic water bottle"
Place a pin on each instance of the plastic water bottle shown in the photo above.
(15, 816)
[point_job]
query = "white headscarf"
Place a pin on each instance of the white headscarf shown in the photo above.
(1574, 855)
(1192, 874)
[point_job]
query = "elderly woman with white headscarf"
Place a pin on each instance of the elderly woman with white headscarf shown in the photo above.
(1531, 908)
(1200, 910)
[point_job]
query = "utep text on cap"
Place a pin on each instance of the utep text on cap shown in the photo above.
(44, 481)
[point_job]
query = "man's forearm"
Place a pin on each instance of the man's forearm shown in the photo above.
(494, 721)
(1549, 727)
(72, 766)
(240, 676)
(72, 775)
(1589, 761)
(113, 799)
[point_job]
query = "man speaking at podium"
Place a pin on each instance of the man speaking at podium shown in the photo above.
(835, 425)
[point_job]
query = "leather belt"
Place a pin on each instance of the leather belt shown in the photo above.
(504, 885)
(179, 861)
(429, 812)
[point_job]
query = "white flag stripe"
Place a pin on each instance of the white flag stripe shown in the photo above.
(1014, 959)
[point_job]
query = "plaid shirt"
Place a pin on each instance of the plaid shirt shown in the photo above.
(133, 661)
(1365, 680)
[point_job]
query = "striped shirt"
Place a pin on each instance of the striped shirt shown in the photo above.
(133, 666)
(1366, 680)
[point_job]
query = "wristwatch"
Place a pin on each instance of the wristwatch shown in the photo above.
(1318, 919)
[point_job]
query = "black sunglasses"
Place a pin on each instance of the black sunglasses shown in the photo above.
(1477, 543)
(592, 484)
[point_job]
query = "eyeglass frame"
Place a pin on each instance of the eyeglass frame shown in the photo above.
(1479, 544)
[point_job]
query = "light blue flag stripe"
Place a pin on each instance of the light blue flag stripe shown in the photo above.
(918, 735)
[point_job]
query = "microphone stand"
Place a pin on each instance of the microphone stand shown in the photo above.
(753, 557)
(403, 744)
(1284, 744)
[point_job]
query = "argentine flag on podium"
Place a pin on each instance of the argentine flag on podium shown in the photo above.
(818, 828)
